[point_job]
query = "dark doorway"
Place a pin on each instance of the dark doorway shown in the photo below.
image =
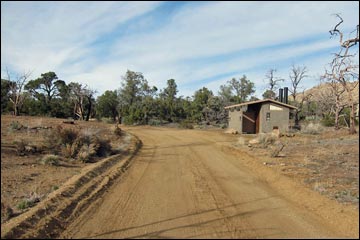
(249, 122)
(251, 119)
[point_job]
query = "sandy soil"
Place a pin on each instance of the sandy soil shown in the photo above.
(196, 184)
(184, 184)
(23, 177)
(327, 162)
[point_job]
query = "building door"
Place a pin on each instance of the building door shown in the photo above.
(257, 123)
(249, 122)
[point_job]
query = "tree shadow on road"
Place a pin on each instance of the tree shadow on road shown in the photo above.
(160, 233)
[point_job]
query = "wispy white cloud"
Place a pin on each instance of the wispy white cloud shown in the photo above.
(43, 36)
(96, 42)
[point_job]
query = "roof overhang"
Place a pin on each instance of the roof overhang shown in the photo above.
(261, 101)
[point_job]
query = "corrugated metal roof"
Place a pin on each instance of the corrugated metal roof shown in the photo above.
(260, 101)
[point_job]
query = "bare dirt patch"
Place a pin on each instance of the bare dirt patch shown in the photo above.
(188, 183)
(327, 162)
(25, 178)
(193, 183)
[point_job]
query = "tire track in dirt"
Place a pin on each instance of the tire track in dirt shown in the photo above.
(131, 220)
(226, 208)
(120, 203)
(182, 184)
(258, 206)
(51, 216)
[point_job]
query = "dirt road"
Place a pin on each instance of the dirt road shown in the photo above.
(184, 184)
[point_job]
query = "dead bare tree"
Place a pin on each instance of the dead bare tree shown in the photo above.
(272, 80)
(17, 95)
(83, 98)
(344, 70)
(77, 96)
(273, 83)
(335, 98)
(297, 74)
(301, 102)
(89, 94)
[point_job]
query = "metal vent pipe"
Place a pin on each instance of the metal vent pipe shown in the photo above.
(286, 97)
(281, 98)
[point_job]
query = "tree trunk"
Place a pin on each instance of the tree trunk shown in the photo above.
(296, 118)
(89, 111)
(16, 110)
(352, 129)
(337, 113)
(114, 117)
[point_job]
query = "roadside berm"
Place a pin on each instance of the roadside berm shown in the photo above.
(51, 216)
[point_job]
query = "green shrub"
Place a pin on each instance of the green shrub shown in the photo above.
(155, 122)
(23, 204)
(186, 124)
(107, 120)
(127, 120)
(29, 201)
(328, 121)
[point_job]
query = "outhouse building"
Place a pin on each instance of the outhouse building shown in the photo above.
(261, 116)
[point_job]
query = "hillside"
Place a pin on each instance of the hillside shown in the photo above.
(322, 92)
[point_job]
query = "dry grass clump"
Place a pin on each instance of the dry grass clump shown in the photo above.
(67, 135)
(241, 141)
(69, 150)
(61, 135)
(23, 147)
(88, 147)
(52, 139)
(266, 139)
(117, 131)
(263, 140)
(6, 212)
(29, 201)
(15, 125)
(80, 145)
(50, 159)
(104, 147)
(20, 145)
(312, 128)
(87, 152)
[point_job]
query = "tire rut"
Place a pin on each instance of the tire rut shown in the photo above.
(51, 216)
(227, 209)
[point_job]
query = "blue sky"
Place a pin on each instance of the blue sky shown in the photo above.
(196, 43)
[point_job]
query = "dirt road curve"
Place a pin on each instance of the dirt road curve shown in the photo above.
(183, 184)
